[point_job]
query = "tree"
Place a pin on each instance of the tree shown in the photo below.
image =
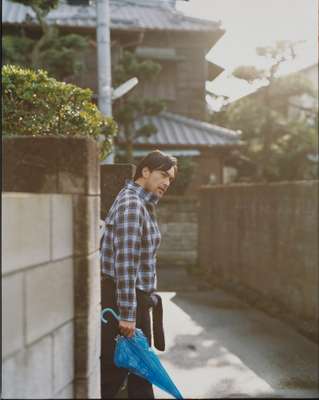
(296, 145)
(129, 108)
(61, 55)
(273, 140)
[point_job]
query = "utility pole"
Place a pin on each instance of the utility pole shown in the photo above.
(104, 62)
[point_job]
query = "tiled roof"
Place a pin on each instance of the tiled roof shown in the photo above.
(125, 14)
(177, 130)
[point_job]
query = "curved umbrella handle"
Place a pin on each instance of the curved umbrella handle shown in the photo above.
(111, 311)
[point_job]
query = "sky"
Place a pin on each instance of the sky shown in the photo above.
(252, 23)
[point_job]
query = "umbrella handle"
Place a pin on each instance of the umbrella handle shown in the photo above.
(111, 311)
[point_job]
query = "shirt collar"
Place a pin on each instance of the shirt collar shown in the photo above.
(147, 197)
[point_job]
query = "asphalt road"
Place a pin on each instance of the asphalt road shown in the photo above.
(218, 346)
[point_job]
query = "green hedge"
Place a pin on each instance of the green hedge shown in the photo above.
(37, 105)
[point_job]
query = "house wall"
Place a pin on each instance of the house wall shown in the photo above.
(312, 74)
(264, 239)
(187, 75)
(180, 83)
(51, 272)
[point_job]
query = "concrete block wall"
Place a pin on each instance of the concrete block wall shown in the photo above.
(178, 223)
(37, 295)
(264, 238)
(113, 178)
(51, 294)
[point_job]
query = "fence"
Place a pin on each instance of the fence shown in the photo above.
(264, 238)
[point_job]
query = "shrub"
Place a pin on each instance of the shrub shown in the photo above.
(37, 105)
(186, 169)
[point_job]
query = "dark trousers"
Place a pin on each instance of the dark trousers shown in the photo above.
(112, 378)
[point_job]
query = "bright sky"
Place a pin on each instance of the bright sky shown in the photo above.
(252, 23)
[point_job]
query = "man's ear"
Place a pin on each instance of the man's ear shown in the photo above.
(146, 172)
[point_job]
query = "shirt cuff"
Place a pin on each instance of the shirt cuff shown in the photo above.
(127, 314)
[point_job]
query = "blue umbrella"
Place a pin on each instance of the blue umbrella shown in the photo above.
(135, 355)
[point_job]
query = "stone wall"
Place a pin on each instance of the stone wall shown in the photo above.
(264, 238)
(178, 223)
(51, 272)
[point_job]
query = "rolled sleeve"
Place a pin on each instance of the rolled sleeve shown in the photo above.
(127, 245)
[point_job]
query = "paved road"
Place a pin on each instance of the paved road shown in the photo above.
(218, 346)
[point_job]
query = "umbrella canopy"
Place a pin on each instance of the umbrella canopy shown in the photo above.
(135, 355)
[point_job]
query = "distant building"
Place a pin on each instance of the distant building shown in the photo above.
(155, 30)
(305, 105)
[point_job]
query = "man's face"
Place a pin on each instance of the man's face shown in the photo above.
(157, 181)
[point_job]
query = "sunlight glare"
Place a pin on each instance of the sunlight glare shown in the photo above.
(252, 23)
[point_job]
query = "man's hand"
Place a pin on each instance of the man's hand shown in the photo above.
(127, 328)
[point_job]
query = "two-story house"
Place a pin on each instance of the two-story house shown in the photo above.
(306, 106)
(154, 29)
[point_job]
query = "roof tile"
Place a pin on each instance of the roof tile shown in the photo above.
(125, 14)
(175, 130)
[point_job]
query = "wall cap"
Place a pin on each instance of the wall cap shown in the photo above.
(312, 182)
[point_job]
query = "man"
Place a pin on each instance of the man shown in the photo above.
(128, 256)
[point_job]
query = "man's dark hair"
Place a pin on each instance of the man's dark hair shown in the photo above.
(156, 160)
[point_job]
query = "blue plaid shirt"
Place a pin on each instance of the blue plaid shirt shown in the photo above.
(129, 246)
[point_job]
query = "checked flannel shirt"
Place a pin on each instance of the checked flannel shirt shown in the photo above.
(129, 245)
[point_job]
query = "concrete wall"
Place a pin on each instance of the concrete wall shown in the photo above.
(37, 296)
(264, 238)
(178, 223)
(51, 274)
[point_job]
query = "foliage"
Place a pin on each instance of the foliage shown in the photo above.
(297, 142)
(61, 55)
(249, 73)
(275, 143)
(37, 105)
(129, 108)
(17, 50)
(44, 5)
(283, 50)
(186, 169)
(130, 66)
